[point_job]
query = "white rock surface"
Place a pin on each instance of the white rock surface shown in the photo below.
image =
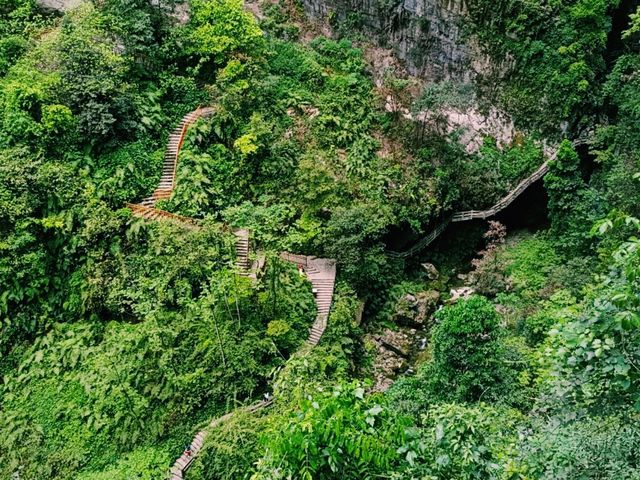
(59, 5)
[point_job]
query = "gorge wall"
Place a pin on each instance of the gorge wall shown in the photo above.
(59, 5)
(426, 34)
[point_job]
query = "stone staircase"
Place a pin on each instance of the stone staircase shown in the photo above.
(321, 272)
(242, 250)
(150, 213)
(170, 164)
(186, 459)
(243, 263)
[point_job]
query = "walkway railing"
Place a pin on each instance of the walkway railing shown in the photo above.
(467, 215)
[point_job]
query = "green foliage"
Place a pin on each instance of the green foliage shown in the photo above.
(329, 434)
(557, 51)
(128, 173)
(36, 203)
(634, 25)
(462, 442)
(466, 359)
(279, 20)
(573, 207)
(589, 448)
(616, 145)
(204, 182)
(141, 26)
(440, 94)
(218, 30)
(472, 360)
(355, 235)
(495, 171)
(93, 78)
(120, 338)
(594, 355)
(142, 464)
(11, 48)
(231, 448)
(197, 337)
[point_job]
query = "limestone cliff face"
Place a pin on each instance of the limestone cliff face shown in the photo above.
(59, 5)
(426, 34)
(177, 10)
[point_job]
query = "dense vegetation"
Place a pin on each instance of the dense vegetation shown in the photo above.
(120, 338)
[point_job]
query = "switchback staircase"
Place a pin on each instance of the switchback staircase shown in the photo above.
(170, 164)
(321, 272)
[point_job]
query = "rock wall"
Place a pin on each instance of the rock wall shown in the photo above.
(426, 34)
(177, 10)
(59, 5)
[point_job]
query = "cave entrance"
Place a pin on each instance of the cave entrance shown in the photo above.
(460, 242)
(619, 23)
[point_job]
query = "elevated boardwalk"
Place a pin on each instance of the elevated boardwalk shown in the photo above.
(467, 215)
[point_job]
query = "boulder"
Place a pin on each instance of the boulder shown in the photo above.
(427, 304)
(432, 271)
(59, 5)
(461, 293)
(397, 341)
(391, 351)
(416, 309)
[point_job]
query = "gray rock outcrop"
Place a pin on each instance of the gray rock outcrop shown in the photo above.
(427, 34)
(415, 310)
(59, 5)
(392, 349)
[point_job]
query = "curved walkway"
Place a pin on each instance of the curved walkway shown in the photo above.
(186, 459)
(321, 272)
(467, 215)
